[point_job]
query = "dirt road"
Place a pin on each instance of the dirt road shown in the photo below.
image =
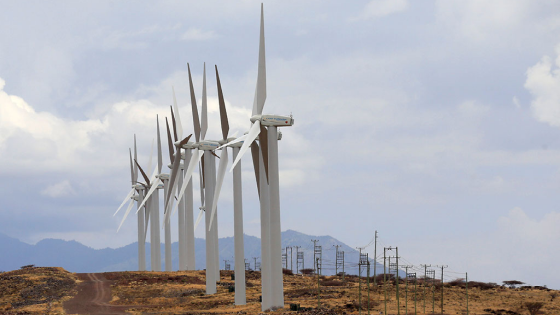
(94, 295)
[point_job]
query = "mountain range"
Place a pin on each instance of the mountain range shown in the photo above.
(76, 257)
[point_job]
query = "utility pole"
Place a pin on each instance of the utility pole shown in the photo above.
(433, 280)
(397, 279)
(285, 259)
(318, 286)
(255, 258)
(367, 259)
(467, 290)
(442, 267)
(424, 284)
(360, 263)
(291, 260)
(375, 260)
(406, 289)
(314, 255)
(247, 265)
(343, 272)
(227, 266)
(297, 258)
(336, 261)
(385, 249)
(413, 275)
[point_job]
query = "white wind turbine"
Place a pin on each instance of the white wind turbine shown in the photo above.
(240, 293)
(138, 197)
(159, 181)
(271, 247)
(152, 210)
(209, 171)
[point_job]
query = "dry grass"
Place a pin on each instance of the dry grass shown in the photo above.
(37, 290)
(27, 291)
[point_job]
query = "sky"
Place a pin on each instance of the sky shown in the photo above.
(436, 123)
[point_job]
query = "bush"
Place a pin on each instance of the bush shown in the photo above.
(482, 285)
(457, 283)
(534, 308)
(307, 271)
(287, 272)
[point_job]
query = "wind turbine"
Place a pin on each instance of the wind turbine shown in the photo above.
(240, 293)
(209, 171)
(268, 182)
(156, 183)
(186, 248)
(138, 197)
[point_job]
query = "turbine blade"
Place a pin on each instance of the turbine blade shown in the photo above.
(219, 181)
(196, 120)
(143, 173)
(160, 157)
(251, 136)
(135, 158)
(203, 110)
(255, 155)
(263, 140)
(169, 141)
(223, 112)
(198, 219)
(176, 166)
(147, 221)
(201, 185)
(174, 171)
(178, 117)
(132, 180)
(130, 193)
(126, 214)
(174, 125)
(260, 90)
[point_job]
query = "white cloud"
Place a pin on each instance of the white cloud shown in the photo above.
(543, 81)
(380, 8)
(198, 34)
(62, 189)
(479, 19)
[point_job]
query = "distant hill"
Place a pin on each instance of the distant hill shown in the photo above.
(76, 257)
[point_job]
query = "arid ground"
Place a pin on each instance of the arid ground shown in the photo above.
(36, 290)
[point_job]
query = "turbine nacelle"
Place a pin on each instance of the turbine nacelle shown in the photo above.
(163, 176)
(189, 145)
(208, 145)
(274, 120)
(138, 187)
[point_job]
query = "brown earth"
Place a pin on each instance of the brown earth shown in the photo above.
(184, 293)
(94, 295)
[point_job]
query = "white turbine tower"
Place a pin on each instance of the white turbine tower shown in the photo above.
(269, 193)
(240, 294)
